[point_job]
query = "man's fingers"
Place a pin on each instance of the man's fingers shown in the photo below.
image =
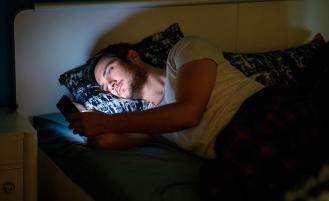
(73, 116)
(78, 129)
(85, 124)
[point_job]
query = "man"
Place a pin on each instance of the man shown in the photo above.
(255, 138)
(195, 99)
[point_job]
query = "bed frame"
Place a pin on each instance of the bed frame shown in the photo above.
(53, 38)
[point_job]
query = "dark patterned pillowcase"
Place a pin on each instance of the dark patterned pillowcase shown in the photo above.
(275, 68)
(93, 98)
(155, 49)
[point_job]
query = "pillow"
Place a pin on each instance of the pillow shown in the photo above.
(276, 68)
(157, 46)
(93, 98)
(154, 48)
(315, 76)
(313, 82)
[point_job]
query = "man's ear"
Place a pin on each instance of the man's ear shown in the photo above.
(133, 57)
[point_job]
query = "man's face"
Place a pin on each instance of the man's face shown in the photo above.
(120, 78)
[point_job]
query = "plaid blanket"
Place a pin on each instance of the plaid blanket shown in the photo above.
(275, 141)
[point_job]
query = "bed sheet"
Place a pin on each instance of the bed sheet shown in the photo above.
(150, 172)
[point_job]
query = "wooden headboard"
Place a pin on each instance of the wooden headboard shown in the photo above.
(56, 37)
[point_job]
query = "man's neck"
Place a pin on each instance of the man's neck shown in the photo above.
(154, 85)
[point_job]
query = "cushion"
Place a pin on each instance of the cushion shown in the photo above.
(314, 77)
(155, 49)
(276, 68)
(157, 46)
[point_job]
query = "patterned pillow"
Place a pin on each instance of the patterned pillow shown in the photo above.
(93, 98)
(155, 49)
(275, 68)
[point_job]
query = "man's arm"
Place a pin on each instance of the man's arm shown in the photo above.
(195, 81)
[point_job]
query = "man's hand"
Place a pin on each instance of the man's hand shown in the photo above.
(80, 107)
(88, 123)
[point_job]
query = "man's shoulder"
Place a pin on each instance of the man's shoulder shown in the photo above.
(191, 40)
(194, 47)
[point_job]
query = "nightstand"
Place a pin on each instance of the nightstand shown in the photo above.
(18, 158)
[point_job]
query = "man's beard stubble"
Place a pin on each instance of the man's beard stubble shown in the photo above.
(139, 77)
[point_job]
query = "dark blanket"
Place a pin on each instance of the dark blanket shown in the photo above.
(278, 138)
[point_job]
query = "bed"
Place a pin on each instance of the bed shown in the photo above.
(55, 38)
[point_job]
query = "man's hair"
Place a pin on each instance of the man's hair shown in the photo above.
(118, 50)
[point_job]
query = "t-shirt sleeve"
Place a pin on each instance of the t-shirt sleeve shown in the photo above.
(194, 48)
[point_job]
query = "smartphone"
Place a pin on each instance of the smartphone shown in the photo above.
(66, 106)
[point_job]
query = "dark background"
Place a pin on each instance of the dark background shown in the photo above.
(8, 11)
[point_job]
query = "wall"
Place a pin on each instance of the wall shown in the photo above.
(272, 25)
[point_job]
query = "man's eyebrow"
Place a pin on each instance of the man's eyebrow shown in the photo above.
(107, 66)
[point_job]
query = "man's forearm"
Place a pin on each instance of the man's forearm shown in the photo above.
(164, 119)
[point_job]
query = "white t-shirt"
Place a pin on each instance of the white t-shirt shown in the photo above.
(231, 89)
